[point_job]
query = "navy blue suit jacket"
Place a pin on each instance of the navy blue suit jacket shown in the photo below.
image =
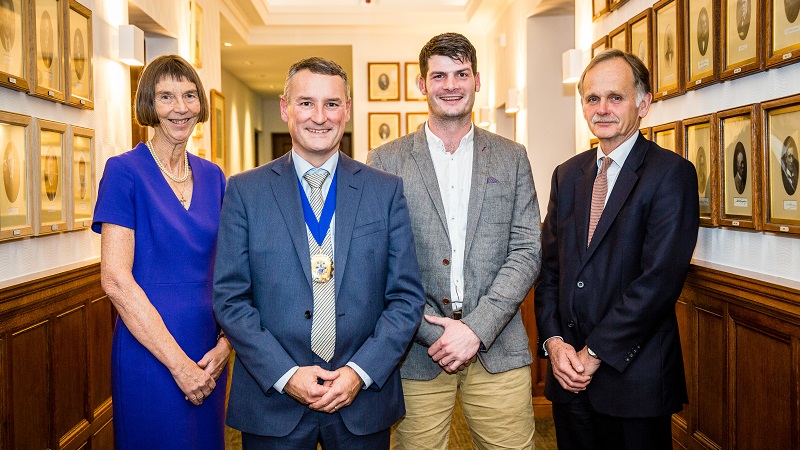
(263, 291)
(618, 295)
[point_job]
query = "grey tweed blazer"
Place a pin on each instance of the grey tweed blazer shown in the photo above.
(503, 249)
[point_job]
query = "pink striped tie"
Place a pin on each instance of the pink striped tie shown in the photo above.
(599, 192)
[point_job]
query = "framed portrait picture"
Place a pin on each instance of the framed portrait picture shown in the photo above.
(647, 133)
(594, 143)
(741, 37)
(699, 140)
(14, 44)
(196, 35)
(781, 145)
(47, 66)
(383, 127)
(218, 154)
(81, 164)
(738, 171)
(640, 36)
(52, 177)
(16, 207)
(599, 8)
(668, 49)
(80, 77)
(614, 4)
(667, 136)
(783, 34)
(618, 38)
(412, 86)
(415, 121)
(702, 22)
(599, 45)
(384, 81)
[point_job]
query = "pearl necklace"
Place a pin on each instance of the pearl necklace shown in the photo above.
(164, 169)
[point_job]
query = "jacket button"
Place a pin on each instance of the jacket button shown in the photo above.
(580, 285)
(446, 262)
(445, 301)
(307, 314)
(571, 324)
(627, 360)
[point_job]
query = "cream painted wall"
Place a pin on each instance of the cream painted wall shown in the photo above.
(244, 115)
(764, 253)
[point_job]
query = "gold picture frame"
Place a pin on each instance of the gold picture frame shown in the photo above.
(415, 120)
(16, 205)
(599, 46)
(51, 177)
(781, 119)
(196, 36)
(81, 166)
(668, 136)
(219, 155)
(668, 48)
(699, 142)
(599, 8)
(383, 128)
(647, 133)
(618, 38)
(741, 38)
(14, 54)
(702, 25)
(640, 36)
(412, 85)
(739, 168)
(783, 32)
(384, 81)
(80, 74)
(46, 47)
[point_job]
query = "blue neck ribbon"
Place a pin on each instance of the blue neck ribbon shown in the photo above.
(319, 228)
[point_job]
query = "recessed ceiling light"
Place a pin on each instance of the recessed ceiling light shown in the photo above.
(228, 44)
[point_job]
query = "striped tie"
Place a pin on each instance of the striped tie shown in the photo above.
(323, 323)
(599, 192)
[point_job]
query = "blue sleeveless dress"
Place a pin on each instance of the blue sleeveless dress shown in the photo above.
(173, 263)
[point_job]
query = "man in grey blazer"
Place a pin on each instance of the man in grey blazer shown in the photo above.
(476, 226)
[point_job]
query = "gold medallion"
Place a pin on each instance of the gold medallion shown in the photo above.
(321, 268)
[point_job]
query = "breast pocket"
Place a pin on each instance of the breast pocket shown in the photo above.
(498, 204)
(368, 228)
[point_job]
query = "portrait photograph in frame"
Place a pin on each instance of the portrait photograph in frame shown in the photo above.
(14, 44)
(196, 36)
(415, 121)
(383, 127)
(668, 136)
(741, 37)
(384, 81)
(52, 194)
(599, 8)
(618, 38)
(781, 146)
(80, 76)
(412, 85)
(599, 45)
(702, 21)
(647, 133)
(614, 4)
(640, 36)
(699, 141)
(16, 207)
(82, 166)
(738, 168)
(667, 49)
(783, 32)
(47, 36)
(217, 118)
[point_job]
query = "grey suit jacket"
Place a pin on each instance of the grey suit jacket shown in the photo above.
(502, 253)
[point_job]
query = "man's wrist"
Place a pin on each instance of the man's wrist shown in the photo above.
(591, 353)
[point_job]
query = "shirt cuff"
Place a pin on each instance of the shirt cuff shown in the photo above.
(544, 344)
(281, 383)
(364, 377)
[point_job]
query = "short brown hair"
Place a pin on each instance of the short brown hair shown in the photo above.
(320, 66)
(641, 76)
(453, 45)
(165, 66)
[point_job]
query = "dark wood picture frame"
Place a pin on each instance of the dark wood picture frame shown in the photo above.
(702, 46)
(14, 53)
(618, 38)
(742, 48)
(412, 74)
(668, 58)
(599, 46)
(16, 201)
(219, 154)
(79, 52)
(782, 22)
(599, 8)
(700, 133)
(51, 177)
(781, 138)
(384, 81)
(383, 127)
(736, 128)
(661, 136)
(414, 120)
(46, 37)
(640, 36)
(81, 167)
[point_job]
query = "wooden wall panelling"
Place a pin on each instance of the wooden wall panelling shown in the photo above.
(70, 378)
(709, 365)
(541, 406)
(30, 387)
(101, 329)
(4, 406)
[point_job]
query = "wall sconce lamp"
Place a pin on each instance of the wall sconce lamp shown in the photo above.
(484, 117)
(571, 65)
(512, 101)
(131, 45)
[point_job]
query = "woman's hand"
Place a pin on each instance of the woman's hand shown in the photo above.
(195, 382)
(216, 359)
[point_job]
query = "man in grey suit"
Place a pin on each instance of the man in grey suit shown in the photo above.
(476, 227)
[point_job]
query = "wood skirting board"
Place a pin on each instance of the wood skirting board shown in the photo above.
(740, 337)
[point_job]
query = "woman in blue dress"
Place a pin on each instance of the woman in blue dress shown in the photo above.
(158, 210)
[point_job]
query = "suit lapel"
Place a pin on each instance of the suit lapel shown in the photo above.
(287, 195)
(422, 156)
(348, 195)
(583, 200)
(480, 172)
